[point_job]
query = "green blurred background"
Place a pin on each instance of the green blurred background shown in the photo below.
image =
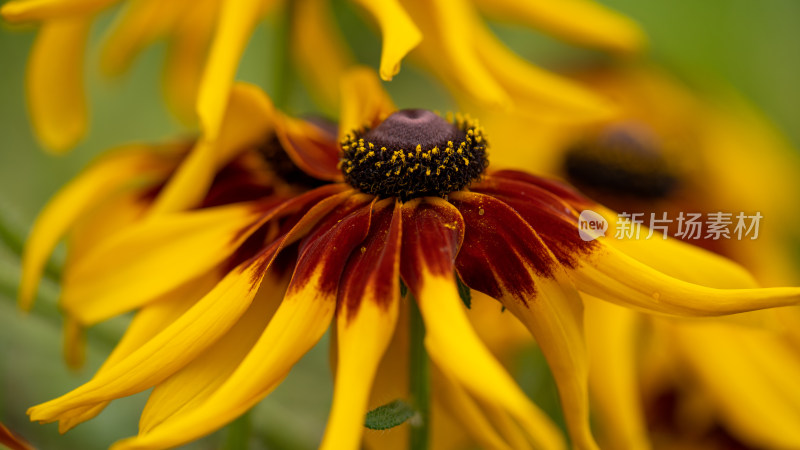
(753, 47)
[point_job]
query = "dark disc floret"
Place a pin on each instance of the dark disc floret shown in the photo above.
(623, 159)
(415, 153)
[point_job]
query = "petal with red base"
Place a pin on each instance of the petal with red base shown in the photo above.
(433, 230)
(366, 318)
(297, 325)
(312, 148)
(504, 257)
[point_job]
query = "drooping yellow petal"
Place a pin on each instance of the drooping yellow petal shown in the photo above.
(139, 23)
(151, 258)
(400, 34)
(459, 403)
(148, 322)
(248, 119)
(319, 51)
(583, 22)
(759, 397)
(80, 196)
(453, 55)
(195, 382)
(364, 102)
(534, 90)
(297, 325)
(236, 22)
(175, 346)
(613, 276)
(531, 283)
(611, 334)
(391, 383)
(41, 10)
(432, 231)
(187, 50)
(55, 86)
(369, 299)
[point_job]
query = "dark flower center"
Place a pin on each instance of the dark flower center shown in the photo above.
(415, 153)
(282, 165)
(624, 159)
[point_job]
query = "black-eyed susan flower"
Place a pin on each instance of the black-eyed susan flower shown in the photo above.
(676, 151)
(257, 158)
(207, 38)
(219, 326)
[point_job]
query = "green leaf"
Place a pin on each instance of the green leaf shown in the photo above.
(389, 415)
(464, 292)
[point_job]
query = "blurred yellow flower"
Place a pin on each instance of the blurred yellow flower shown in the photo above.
(218, 326)
(206, 39)
(673, 150)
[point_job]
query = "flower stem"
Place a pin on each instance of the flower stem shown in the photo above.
(419, 379)
(282, 65)
(239, 433)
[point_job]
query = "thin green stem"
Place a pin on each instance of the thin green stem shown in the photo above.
(419, 379)
(282, 64)
(239, 433)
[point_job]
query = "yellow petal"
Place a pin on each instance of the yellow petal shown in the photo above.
(187, 50)
(39, 10)
(555, 318)
(531, 283)
(148, 322)
(613, 276)
(77, 199)
(364, 102)
(319, 51)
(583, 22)
(474, 421)
(400, 34)
(432, 230)
(611, 334)
(680, 259)
(248, 119)
(236, 22)
(297, 325)
(456, 349)
(759, 400)
(174, 347)
(137, 25)
(453, 55)
(535, 91)
(195, 382)
(369, 299)
(391, 383)
(55, 87)
(151, 258)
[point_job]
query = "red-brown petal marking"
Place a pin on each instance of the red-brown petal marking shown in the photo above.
(313, 149)
(505, 258)
(432, 233)
(499, 248)
(554, 220)
(324, 252)
(559, 189)
(374, 272)
(368, 303)
(12, 441)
